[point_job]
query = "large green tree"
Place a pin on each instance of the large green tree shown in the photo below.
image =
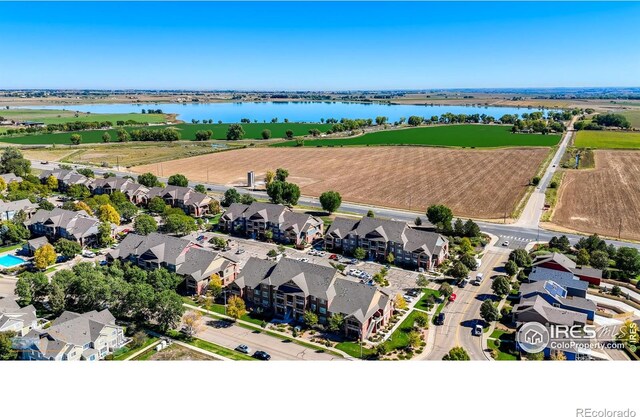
(179, 180)
(330, 201)
(489, 312)
(145, 224)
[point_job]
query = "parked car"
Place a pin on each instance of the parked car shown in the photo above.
(452, 298)
(304, 259)
(477, 330)
(243, 349)
(333, 256)
(88, 254)
(200, 238)
(239, 251)
(261, 355)
(103, 262)
(479, 277)
(440, 319)
(505, 243)
(463, 283)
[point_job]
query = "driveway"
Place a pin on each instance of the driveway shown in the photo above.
(234, 335)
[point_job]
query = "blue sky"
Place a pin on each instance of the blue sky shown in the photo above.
(318, 46)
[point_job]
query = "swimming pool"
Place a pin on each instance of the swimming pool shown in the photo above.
(9, 261)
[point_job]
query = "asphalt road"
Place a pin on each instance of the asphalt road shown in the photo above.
(462, 314)
(516, 235)
(530, 217)
(234, 335)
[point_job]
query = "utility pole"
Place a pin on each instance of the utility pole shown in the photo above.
(620, 229)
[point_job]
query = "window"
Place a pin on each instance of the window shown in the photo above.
(322, 310)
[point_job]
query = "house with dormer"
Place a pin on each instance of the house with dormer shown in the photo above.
(379, 238)
(90, 336)
(188, 259)
(58, 223)
(286, 225)
(289, 288)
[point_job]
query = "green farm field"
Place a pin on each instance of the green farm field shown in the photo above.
(187, 130)
(466, 136)
(64, 116)
(606, 139)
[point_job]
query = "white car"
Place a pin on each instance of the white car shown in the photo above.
(313, 252)
(304, 259)
(88, 254)
(505, 243)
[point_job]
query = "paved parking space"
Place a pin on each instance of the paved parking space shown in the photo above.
(399, 279)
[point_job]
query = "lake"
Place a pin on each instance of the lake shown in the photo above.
(294, 111)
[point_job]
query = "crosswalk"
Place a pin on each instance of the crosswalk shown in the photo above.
(514, 238)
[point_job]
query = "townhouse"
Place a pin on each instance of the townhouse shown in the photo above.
(188, 259)
(379, 238)
(90, 336)
(66, 178)
(10, 177)
(289, 288)
(59, 223)
(14, 318)
(560, 262)
(8, 209)
(192, 202)
(286, 225)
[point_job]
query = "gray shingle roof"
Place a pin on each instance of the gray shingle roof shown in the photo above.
(17, 205)
(188, 258)
(254, 272)
(551, 314)
(565, 279)
(76, 223)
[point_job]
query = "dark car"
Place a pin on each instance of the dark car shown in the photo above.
(462, 283)
(440, 319)
(261, 355)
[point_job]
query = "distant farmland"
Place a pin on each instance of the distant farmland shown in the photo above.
(604, 200)
(468, 136)
(48, 116)
(607, 139)
(187, 130)
(475, 183)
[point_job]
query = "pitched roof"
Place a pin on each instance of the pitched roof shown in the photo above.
(272, 213)
(37, 242)
(549, 313)
(564, 278)
(188, 257)
(17, 205)
(344, 296)
(254, 272)
(543, 287)
(74, 329)
(76, 223)
(382, 230)
(10, 177)
(556, 257)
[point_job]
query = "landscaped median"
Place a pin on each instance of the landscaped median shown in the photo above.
(551, 195)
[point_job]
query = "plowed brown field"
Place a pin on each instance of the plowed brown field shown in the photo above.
(603, 199)
(474, 183)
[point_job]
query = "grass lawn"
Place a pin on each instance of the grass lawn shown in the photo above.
(187, 131)
(399, 339)
(505, 338)
(607, 139)
(353, 349)
(52, 116)
(422, 304)
(474, 136)
(126, 352)
(633, 116)
(220, 350)
(10, 248)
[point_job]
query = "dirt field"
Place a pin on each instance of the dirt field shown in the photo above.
(179, 353)
(599, 200)
(124, 154)
(474, 183)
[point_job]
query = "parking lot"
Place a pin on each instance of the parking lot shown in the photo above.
(242, 249)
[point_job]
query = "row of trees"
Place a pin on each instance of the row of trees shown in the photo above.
(127, 291)
(441, 217)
